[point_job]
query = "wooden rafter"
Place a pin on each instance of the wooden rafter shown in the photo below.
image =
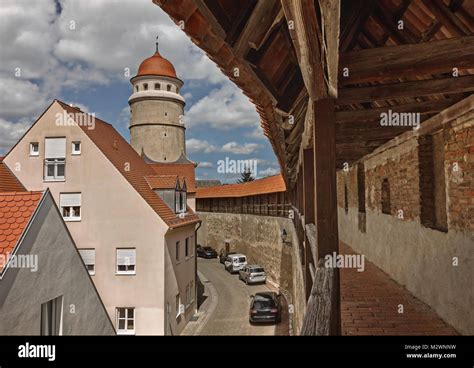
(306, 36)
(424, 108)
(406, 89)
(407, 60)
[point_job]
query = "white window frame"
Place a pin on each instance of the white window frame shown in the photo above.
(125, 331)
(71, 218)
(127, 271)
(56, 324)
(32, 152)
(54, 162)
(91, 271)
(75, 152)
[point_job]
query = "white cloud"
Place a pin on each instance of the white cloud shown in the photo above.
(199, 146)
(11, 132)
(242, 149)
(268, 172)
(223, 108)
(205, 165)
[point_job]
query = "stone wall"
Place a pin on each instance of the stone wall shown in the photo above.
(259, 238)
(433, 262)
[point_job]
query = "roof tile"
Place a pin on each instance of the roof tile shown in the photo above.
(14, 218)
(270, 184)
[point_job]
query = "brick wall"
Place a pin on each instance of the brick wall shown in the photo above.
(407, 244)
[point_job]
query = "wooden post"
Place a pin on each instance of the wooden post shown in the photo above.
(308, 175)
(326, 192)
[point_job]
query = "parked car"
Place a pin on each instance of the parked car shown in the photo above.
(223, 255)
(235, 262)
(206, 252)
(265, 307)
(252, 274)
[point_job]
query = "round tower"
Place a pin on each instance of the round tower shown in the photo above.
(157, 128)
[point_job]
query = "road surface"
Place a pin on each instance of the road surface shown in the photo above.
(231, 314)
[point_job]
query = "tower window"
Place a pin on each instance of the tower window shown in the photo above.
(168, 87)
(136, 88)
(157, 86)
(166, 114)
(145, 86)
(346, 200)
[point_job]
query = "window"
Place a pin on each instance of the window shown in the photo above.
(34, 149)
(177, 203)
(386, 206)
(126, 261)
(157, 86)
(168, 87)
(187, 249)
(76, 148)
(179, 306)
(88, 257)
(189, 294)
(125, 321)
(433, 212)
(362, 219)
(70, 204)
(145, 86)
(52, 317)
(136, 88)
(177, 251)
(55, 159)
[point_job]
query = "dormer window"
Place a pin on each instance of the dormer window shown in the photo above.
(76, 148)
(34, 149)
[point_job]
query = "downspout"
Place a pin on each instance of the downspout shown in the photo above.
(195, 266)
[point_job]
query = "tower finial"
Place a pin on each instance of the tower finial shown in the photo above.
(157, 37)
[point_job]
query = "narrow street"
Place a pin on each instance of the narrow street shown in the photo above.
(230, 316)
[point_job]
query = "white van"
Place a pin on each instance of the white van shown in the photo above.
(235, 262)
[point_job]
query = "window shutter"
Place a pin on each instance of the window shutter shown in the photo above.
(126, 257)
(70, 200)
(55, 148)
(88, 256)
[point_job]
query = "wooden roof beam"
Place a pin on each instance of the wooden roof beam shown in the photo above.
(423, 108)
(406, 89)
(305, 33)
(402, 61)
(255, 29)
(446, 16)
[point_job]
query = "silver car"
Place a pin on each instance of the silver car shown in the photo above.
(253, 274)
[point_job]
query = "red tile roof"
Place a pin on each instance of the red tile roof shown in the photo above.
(16, 209)
(133, 168)
(163, 181)
(8, 181)
(270, 184)
(183, 170)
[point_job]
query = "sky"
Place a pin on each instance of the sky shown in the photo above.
(84, 52)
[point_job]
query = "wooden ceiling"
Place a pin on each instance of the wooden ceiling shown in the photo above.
(400, 55)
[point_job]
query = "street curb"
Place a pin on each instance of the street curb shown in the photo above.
(202, 321)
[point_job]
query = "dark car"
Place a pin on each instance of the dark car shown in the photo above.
(265, 307)
(206, 252)
(223, 255)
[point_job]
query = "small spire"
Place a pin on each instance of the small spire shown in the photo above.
(157, 37)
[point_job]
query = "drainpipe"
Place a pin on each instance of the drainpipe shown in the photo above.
(196, 266)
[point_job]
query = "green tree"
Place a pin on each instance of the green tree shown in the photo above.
(246, 176)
